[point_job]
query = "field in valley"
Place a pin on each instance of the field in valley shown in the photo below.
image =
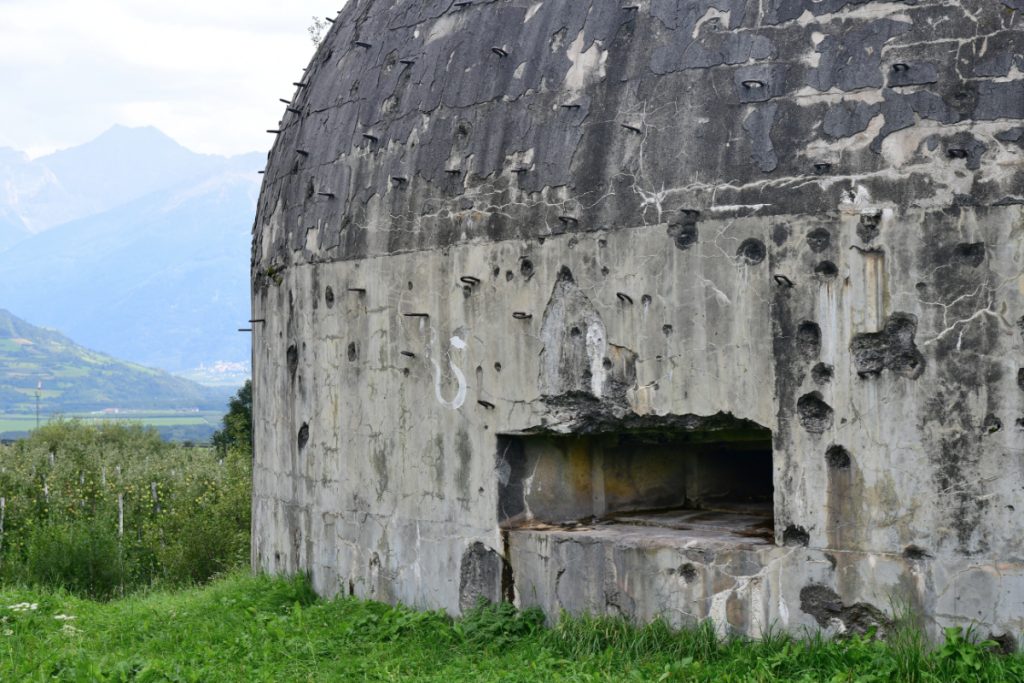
(180, 425)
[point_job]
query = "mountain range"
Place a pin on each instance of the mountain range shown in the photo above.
(136, 246)
(72, 378)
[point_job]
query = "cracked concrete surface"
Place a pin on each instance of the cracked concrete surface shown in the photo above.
(516, 217)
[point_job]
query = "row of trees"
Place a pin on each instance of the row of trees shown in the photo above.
(102, 510)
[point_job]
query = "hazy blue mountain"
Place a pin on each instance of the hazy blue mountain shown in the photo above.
(12, 230)
(76, 379)
(121, 165)
(25, 185)
(162, 280)
(134, 245)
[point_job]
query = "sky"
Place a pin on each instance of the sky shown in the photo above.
(208, 73)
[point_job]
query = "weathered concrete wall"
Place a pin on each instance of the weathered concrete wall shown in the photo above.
(510, 217)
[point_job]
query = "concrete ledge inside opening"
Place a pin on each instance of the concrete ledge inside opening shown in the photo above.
(674, 485)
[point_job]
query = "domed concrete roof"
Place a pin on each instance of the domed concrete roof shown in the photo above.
(431, 122)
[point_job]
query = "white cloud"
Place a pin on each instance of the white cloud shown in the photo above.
(206, 72)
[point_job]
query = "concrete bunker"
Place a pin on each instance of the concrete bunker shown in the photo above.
(685, 479)
(520, 297)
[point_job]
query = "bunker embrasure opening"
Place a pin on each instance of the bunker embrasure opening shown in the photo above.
(718, 481)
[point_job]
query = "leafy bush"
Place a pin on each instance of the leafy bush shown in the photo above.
(83, 556)
(101, 510)
(498, 625)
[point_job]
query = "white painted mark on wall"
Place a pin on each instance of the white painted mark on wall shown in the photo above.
(460, 377)
(597, 346)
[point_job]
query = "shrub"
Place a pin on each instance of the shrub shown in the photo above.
(106, 509)
(82, 556)
(499, 624)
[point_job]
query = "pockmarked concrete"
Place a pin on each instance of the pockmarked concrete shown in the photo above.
(669, 308)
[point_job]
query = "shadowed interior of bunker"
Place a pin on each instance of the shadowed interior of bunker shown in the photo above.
(693, 481)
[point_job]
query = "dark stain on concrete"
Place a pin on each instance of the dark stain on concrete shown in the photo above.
(869, 225)
(795, 535)
(808, 339)
(439, 462)
(826, 270)
(682, 228)
(822, 373)
(815, 415)
(844, 497)
(780, 233)
(1005, 643)
(891, 349)
(464, 468)
(825, 605)
(480, 577)
(819, 240)
(751, 251)
(687, 571)
(837, 457)
(379, 459)
(971, 255)
(758, 125)
(916, 553)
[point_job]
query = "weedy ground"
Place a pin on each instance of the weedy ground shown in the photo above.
(244, 628)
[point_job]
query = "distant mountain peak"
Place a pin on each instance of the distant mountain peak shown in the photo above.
(122, 127)
(119, 166)
(136, 142)
(119, 132)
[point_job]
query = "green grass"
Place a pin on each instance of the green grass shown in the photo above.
(259, 629)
